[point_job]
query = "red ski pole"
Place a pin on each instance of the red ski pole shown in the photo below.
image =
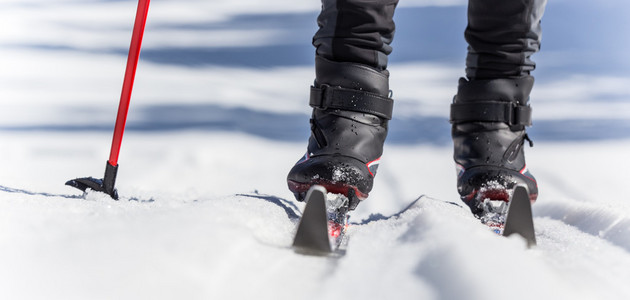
(107, 183)
(130, 74)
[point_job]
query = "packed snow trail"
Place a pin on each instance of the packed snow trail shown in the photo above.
(101, 249)
(173, 241)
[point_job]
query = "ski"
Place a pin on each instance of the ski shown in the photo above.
(323, 224)
(519, 219)
(513, 216)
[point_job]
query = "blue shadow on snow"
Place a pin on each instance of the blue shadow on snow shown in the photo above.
(295, 126)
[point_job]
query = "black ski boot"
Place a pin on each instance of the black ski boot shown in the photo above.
(489, 119)
(351, 109)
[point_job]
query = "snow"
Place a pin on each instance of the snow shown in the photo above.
(213, 129)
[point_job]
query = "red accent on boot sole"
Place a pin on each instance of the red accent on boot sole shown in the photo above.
(495, 195)
(335, 188)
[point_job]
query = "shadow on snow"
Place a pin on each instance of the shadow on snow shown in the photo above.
(294, 127)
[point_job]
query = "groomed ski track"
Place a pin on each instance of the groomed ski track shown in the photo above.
(191, 240)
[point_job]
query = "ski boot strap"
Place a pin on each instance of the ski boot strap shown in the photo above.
(512, 113)
(336, 97)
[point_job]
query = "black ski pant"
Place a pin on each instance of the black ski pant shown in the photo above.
(502, 35)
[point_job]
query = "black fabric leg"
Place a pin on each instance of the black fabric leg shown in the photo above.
(358, 31)
(502, 36)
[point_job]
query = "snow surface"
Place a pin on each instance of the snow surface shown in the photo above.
(218, 117)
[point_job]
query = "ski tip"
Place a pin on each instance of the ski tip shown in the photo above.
(312, 232)
(519, 218)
